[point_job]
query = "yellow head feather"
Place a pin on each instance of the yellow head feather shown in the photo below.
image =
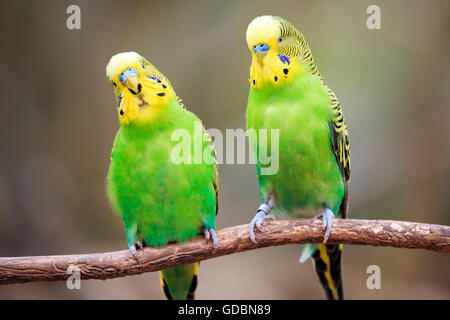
(264, 29)
(142, 99)
(285, 53)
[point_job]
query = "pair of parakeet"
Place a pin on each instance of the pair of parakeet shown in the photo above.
(162, 201)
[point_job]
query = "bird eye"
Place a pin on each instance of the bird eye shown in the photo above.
(114, 84)
(143, 67)
(280, 39)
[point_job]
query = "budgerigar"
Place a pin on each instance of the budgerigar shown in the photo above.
(161, 199)
(288, 93)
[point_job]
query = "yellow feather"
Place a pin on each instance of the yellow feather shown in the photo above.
(326, 259)
(156, 90)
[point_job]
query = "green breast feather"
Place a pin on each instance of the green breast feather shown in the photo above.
(160, 201)
(308, 174)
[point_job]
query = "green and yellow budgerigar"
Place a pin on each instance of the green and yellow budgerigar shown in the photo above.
(160, 200)
(288, 93)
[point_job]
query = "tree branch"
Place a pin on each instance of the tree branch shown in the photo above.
(231, 240)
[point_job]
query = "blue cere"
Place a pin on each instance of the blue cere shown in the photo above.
(119, 100)
(127, 73)
(263, 48)
(284, 59)
(153, 78)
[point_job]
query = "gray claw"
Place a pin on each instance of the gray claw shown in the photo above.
(214, 237)
(327, 221)
(211, 234)
(257, 222)
(206, 233)
(134, 252)
(140, 245)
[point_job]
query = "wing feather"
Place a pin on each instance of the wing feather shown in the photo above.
(341, 145)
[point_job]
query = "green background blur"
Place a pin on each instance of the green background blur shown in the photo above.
(59, 119)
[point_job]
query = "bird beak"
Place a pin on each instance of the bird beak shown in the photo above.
(132, 83)
(129, 78)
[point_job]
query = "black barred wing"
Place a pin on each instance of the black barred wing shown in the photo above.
(341, 145)
(341, 140)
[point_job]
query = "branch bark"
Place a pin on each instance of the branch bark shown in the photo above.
(231, 240)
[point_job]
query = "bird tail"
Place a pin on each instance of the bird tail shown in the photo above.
(179, 283)
(327, 263)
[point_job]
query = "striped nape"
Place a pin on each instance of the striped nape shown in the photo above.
(309, 60)
(299, 47)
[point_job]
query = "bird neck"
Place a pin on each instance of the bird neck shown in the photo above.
(153, 116)
(274, 70)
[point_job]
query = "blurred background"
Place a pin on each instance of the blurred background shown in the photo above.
(61, 119)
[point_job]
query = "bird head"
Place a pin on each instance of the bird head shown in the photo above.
(141, 91)
(277, 49)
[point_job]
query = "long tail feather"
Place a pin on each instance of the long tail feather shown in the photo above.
(179, 283)
(327, 262)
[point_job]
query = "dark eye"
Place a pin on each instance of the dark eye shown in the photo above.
(280, 39)
(114, 84)
(143, 67)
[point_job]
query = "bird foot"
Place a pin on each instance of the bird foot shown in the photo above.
(139, 244)
(327, 221)
(134, 251)
(210, 233)
(258, 219)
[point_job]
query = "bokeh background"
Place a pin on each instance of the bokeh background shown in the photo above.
(59, 121)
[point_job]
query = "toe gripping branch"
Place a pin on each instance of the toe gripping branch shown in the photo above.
(134, 251)
(263, 213)
(327, 222)
(210, 233)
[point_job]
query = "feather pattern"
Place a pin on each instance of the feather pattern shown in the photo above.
(160, 200)
(288, 92)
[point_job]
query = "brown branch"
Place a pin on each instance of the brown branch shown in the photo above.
(231, 240)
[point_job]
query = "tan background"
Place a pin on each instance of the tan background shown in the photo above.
(59, 120)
